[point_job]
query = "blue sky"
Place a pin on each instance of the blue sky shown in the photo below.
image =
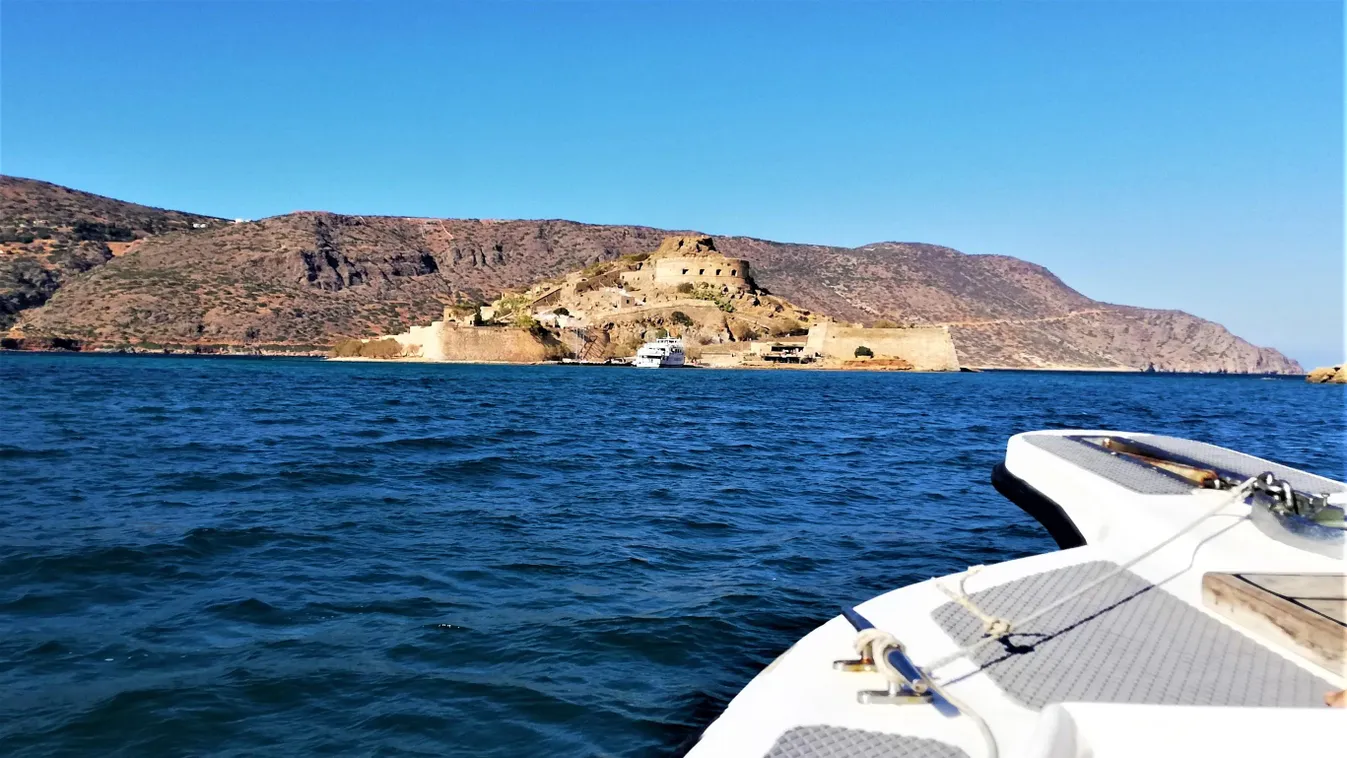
(1185, 155)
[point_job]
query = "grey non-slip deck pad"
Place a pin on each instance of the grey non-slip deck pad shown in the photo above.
(1143, 479)
(1128, 473)
(1124, 641)
(837, 742)
(1239, 463)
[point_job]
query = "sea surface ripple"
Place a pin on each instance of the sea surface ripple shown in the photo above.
(291, 557)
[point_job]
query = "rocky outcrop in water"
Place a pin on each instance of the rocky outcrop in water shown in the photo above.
(1328, 375)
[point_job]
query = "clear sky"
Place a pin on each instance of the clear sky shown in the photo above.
(1175, 155)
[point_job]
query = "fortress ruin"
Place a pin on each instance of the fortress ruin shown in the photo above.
(689, 260)
(686, 288)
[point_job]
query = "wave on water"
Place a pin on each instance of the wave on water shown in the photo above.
(495, 561)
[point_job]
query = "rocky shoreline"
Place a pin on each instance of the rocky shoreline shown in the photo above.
(1326, 375)
(71, 346)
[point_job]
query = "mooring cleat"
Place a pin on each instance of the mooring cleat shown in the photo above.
(896, 694)
(912, 690)
(860, 664)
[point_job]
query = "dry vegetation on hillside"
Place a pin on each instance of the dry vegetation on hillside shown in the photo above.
(318, 278)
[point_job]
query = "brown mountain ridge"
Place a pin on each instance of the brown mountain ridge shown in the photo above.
(149, 276)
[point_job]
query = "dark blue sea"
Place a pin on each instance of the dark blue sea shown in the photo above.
(211, 556)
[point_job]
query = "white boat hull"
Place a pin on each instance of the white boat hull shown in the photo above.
(1149, 671)
(662, 353)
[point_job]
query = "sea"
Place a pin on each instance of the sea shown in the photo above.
(243, 557)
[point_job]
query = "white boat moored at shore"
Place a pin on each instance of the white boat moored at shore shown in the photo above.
(665, 352)
(1197, 606)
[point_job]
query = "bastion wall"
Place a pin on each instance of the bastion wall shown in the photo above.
(493, 344)
(927, 348)
(715, 270)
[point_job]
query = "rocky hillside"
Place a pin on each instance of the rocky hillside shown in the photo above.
(49, 234)
(1003, 312)
(314, 278)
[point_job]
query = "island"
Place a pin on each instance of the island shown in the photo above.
(686, 288)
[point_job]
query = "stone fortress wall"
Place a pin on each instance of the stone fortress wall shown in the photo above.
(493, 344)
(690, 260)
(449, 340)
(425, 342)
(717, 270)
(927, 348)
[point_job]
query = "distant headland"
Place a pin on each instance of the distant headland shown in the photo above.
(84, 272)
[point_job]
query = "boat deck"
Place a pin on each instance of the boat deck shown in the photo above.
(1125, 641)
(1112, 663)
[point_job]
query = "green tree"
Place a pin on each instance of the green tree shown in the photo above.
(384, 348)
(347, 348)
(864, 352)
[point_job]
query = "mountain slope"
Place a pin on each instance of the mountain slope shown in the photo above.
(50, 233)
(1002, 311)
(313, 278)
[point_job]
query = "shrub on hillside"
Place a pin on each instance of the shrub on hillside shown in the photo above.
(517, 303)
(864, 352)
(680, 318)
(885, 324)
(24, 283)
(785, 327)
(629, 346)
(741, 331)
(684, 288)
(704, 291)
(93, 231)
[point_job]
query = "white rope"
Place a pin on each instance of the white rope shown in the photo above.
(993, 750)
(992, 626)
(875, 643)
(997, 628)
